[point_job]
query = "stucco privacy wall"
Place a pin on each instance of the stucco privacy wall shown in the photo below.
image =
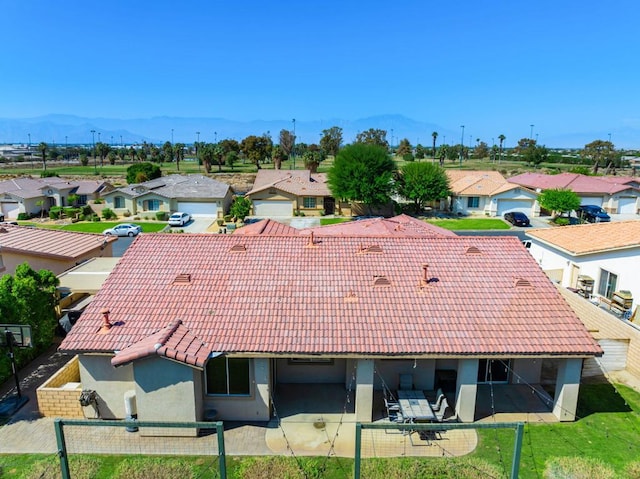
(603, 325)
(110, 384)
(59, 396)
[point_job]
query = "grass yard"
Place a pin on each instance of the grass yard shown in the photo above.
(333, 221)
(457, 224)
(608, 429)
(98, 226)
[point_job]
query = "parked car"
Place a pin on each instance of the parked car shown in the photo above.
(179, 219)
(123, 229)
(592, 214)
(516, 218)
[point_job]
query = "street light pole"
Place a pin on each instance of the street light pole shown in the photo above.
(171, 136)
(531, 134)
(93, 151)
(197, 144)
(461, 145)
(66, 153)
(215, 137)
(293, 145)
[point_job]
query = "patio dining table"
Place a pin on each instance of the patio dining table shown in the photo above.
(415, 406)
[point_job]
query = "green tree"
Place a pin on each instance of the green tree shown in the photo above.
(404, 147)
(240, 207)
(111, 156)
(278, 155)
(421, 152)
(223, 149)
(103, 150)
(599, 152)
(559, 201)
(287, 142)
(167, 151)
(132, 153)
(141, 172)
(373, 136)
(312, 158)
(501, 138)
(29, 297)
(178, 153)
(362, 172)
(421, 183)
(434, 135)
(207, 155)
(256, 148)
(331, 141)
(42, 148)
(481, 150)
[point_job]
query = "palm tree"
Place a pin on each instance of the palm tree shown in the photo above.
(132, 154)
(42, 148)
(501, 138)
(434, 135)
(178, 150)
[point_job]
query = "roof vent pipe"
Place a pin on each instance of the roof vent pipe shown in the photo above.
(425, 272)
(105, 318)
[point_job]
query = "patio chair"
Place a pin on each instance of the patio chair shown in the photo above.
(440, 413)
(406, 382)
(438, 404)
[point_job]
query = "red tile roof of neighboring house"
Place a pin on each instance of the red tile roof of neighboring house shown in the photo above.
(50, 243)
(174, 341)
(591, 238)
(580, 184)
(296, 182)
(266, 227)
(339, 296)
(401, 225)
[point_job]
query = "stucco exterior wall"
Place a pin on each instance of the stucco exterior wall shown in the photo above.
(459, 205)
(110, 384)
(255, 407)
(526, 371)
(12, 260)
(129, 204)
(389, 371)
(290, 372)
(623, 263)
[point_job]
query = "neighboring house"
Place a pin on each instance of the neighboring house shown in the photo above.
(32, 195)
(489, 193)
(266, 227)
(283, 193)
(616, 194)
(197, 195)
(53, 250)
(221, 324)
(608, 253)
(401, 225)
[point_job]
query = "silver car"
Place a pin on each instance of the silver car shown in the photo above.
(179, 219)
(123, 229)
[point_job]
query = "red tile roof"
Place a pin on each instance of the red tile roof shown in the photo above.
(401, 225)
(174, 341)
(274, 295)
(296, 182)
(49, 243)
(266, 227)
(578, 183)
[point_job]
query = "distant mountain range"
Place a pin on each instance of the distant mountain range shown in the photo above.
(69, 129)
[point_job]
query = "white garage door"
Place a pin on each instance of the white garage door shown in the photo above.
(198, 209)
(10, 210)
(613, 359)
(627, 206)
(591, 200)
(272, 208)
(523, 206)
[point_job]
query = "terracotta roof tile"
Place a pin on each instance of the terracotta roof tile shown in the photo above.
(297, 182)
(266, 227)
(580, 184)
(591, 238)
(281, 297)
(401, 225)
(50, 243)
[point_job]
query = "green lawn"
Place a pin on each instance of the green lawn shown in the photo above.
(455, 224)
(98, 226)
(608, 429)
(333, 221)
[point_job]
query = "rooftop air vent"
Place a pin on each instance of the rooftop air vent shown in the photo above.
(3, 229)
(381, 281)
(238, 248)
(351, 297)
(473, 250)
(523, 283)
(182, 278)
(370, 249)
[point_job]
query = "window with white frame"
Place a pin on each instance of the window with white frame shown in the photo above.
(152, 205)
(607, 284)
(228, 376)
(473, 202)
(118, 202)
(309, 202)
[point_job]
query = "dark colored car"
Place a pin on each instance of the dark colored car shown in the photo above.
(516, 218)
(592, 214)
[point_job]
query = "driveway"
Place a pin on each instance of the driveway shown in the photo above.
(198, 224)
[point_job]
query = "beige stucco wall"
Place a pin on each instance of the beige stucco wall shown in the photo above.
(389, 371)
(254, 407)
(466, 389)
(110, 384)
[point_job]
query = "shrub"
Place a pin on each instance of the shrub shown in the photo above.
(54, 212)
(220, 222)
(109, 214)
(87, 211)
(407, 157)
(126, 214)
(23, 216)
(84, 160)
(95, 218)
(70, 211)
(162, 216)
(227, 218)
(98, 201)
(301, 213)
(577, 468)
(241, 207)
(561, 221)
(48, 174)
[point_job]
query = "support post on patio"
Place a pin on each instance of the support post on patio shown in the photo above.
(62, 450)
(364, 390)
(567, 388)
(358, 457)
(222, 457)
(466, 389)
(517, 449)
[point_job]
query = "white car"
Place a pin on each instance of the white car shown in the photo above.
(179, 219)
(124, 229)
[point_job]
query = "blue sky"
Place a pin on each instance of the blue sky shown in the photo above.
(495, 66)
